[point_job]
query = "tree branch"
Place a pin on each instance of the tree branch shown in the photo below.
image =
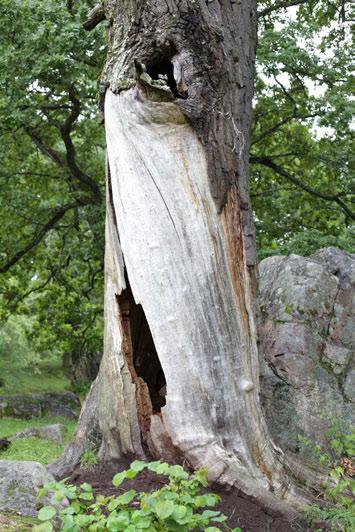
(282, 122)
(96, 15)
(58, 215)
(267, 161)
(46, 150)
(65, 131)
(281, 5)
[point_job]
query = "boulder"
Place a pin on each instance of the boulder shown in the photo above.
(307, 337)
(64, 404)
(19, 485)
(53, 432)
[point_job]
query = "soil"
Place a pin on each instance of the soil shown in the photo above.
(241, 512)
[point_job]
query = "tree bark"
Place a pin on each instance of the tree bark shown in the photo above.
(179, 379)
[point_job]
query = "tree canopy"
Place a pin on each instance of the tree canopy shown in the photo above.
(52, 155)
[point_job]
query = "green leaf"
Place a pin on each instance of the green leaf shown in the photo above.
(207, 514)
(178, 472)
(153, 466)
(42, 492)
(76, 507)
(86, 487)
(163, 469)
(119, 478)
(46, 513)
(84, 520)
(127, 497)
(138, 465)
(164, 509)
(131, 474)
(86, 496)
(201, 477)
(118, 521)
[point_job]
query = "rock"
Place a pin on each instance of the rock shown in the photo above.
(4, 444)
(64, 404)
(307, 337)
(19, 485)
(54, 433)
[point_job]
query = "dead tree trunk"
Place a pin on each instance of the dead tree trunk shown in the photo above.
(179, 377)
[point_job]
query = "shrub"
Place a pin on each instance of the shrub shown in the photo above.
(338, 452)
(178, 506)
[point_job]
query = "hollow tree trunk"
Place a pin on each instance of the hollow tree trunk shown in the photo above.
(179, 379)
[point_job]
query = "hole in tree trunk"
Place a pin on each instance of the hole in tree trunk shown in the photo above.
(142, 357)
(164, 69)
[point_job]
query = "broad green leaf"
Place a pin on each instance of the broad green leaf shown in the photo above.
(138, 465)
(86, 496)
(46, 513)
(118, 479)
(164, 509)
(127, 497)
(86, 487)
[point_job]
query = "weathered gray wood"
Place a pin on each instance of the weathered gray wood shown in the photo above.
(179, 240)
(182, 268)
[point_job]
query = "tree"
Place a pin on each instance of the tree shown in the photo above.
(301, 181)
(52, 178)
(179, 378)
(47, 211)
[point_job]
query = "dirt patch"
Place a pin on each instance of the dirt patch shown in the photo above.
(240, 511)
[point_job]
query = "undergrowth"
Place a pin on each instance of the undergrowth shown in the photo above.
(338, 452)
(179, 506)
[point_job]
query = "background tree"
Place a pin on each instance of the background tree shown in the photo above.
(52, 167)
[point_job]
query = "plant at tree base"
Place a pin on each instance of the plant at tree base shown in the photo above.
(88, 460)
(339, 453)
(178, 506)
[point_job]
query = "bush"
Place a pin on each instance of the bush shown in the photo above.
(338, 452)
(178, 506)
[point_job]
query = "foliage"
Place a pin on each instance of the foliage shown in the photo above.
(51, 177)
(301, 181)
(337, 442)
(37, 449)
(178, 506)
(88, 460)
(15, 347)
(26, 373)
(339, 453)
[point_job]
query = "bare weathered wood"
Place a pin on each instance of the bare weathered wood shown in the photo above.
(179, 243)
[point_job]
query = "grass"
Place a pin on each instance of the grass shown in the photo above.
(16, 523)
(37, 449)
(44, 377)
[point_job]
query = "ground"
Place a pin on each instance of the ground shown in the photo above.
(241, 512)
(45, 376)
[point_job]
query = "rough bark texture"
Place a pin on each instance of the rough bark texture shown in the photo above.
(211, 45)
(180, 247)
